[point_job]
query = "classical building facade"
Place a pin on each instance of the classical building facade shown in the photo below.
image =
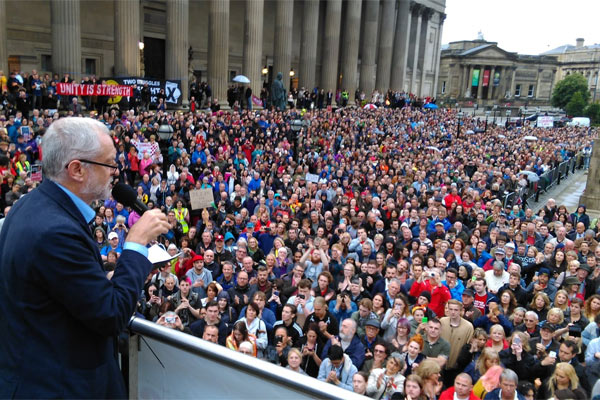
(579, 59)
(332, 44)
(481, 72)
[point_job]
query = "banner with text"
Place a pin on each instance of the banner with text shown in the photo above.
(173, 94)
(545, 122)
(78, 89)
(486, 77)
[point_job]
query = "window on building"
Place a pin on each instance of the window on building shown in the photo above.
(443, 87)
(46, 63)
(90, 66)
(518, 90)
(530, 91)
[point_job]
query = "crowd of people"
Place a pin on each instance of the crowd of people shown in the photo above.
(365, 248)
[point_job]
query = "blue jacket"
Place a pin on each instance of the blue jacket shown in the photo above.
(356, 351)
(485, 323)
(495, 395)
(457, 291)
(60, 315)
(346, 375)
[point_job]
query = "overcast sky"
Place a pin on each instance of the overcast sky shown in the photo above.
(523, 26)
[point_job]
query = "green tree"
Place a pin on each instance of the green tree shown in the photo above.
(593, 112)
(566, 88)
(576, 105)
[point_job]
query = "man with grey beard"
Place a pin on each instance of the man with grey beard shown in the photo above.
(349, 341)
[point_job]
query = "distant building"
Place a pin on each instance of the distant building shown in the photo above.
(579, 59)
(480, 72)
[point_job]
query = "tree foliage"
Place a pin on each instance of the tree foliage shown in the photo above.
(566, 89)
(576, 106)
(593, 113)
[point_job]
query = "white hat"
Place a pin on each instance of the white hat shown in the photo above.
(112, 235)
(172, 247)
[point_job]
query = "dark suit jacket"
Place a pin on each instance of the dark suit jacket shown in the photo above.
(60, 315)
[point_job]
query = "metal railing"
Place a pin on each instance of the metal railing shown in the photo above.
(547, 180)
(164, 363)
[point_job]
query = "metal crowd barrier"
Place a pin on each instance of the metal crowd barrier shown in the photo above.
(547, 180)
(164, 363)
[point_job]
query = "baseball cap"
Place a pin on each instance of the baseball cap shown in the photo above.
(197, 257)
(113, 235)
(219, 237)
(373, 322)
(547, 325)
(468, 292)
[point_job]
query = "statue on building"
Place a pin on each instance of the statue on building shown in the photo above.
(278, 92)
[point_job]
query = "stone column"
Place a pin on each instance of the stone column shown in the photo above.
(418, 9)
(386, 42)
(253, 43)
(426, 53)
(66, 37)
(480, 83)
(3, 50)
(127, 36)
(218, 49)
(177, 44)
(591, 196)
(282, 56)
(308, 45)
(438, 53)
(368, 51)
(461, 78)
(513, 82)
(351, 42)
(491, 84)
(331, 48)
(401, 43)
(539, 82)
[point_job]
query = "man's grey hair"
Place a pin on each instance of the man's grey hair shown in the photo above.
(354, 324)
(532, 314)
(510, 375)
(69, 139)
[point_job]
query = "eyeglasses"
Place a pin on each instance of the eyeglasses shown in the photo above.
(114, 168)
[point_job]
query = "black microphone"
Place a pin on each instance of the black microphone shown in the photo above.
(125, 195)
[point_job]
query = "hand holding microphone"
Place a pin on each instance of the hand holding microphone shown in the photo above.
(151, 223)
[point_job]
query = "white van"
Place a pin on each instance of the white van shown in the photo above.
(579, 121)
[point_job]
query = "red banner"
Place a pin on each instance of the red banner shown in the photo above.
(77, 89)
(486, 77)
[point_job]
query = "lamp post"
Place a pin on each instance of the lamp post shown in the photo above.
(165, 134)
(487, 114)
(292, 74)
(495, 108)
(265, 72)
(508, 112)
(142, 67)
(459, 115)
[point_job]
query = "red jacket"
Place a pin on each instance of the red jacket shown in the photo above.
(450, 198)
(448, 394)
(439, 296)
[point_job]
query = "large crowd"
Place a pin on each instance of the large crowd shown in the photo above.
(369, 249)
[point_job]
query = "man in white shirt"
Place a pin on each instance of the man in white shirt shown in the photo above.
(496, 277)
